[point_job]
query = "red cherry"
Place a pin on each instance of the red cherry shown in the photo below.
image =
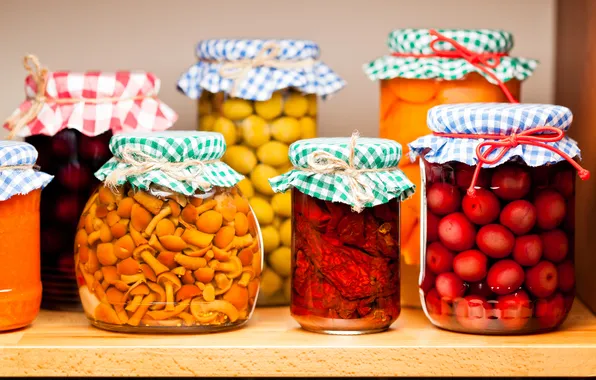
(449, 286)
(480, 288)
(519, 216)
(569, 298)
(550, 209)
(67, 209)
(436, 173)
(64, 144)
(442, 198)
(432, 227)
(514, 310)
(556, 245)
(541, 176)
(505, 276)
(495, 240)
(510, 182)
(550, 311)
(74, 176)
(428, 281)
(482, 207)
(456, 232)
(473, 312)
(470, 265)
(93, 148)
(564, 182)
(569, 222)
(437, 308)
(527, 250)
(566, 276)
(542, 279)
(464, 174)
(438, 258)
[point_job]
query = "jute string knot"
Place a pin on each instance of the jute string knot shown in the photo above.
(237, 70)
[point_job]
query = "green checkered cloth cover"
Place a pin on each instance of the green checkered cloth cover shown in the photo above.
(417, 41)
(174, 146)
(369, 153)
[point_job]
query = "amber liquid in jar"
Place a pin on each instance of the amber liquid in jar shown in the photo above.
(404, 106)
(501, 261)
(345, 266)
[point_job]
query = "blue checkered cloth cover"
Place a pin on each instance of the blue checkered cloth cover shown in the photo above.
(261, 82)
(16, 181)
(492, 118)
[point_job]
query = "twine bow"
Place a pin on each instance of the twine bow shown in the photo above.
(503, 143)
(484, 62)
(20, 167)
(266, 57)
(140, 162)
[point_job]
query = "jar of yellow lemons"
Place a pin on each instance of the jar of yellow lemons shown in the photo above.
(261, 95)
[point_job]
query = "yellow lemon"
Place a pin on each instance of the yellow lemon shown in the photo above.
(288, 288)
(282, 204)
(270, 282)
(276, 222)
(285, 232)
(280, 261)
(270, 109)
(273, 153)
(227, 128)
(308, 127)
(236, 109)
(285, 129)
(262, 209)
(312, 104)
(295, 105)
(240, 158)
(206, 122)
(284, 168)
(260, 176)
(246, 188)
(270, 238)
(255, 131)
(204, 105)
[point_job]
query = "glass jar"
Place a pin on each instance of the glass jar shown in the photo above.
(413, 85)
(259, 124)
(20, 283)
(75, 116)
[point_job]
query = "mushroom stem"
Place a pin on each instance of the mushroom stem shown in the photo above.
(164, 314)
(135, 303)
(145, 303)
(169, 297)
(192, 263)
(157, 267)
(153, 223)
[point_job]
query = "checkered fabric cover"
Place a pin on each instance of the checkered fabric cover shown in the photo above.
(369, 153)
(261, 82)
(174, 146)
(417, 41)
(13, 182)
(92, 119)
(492, 118)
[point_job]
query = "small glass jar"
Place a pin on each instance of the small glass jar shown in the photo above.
(260, 113)
(20, 282)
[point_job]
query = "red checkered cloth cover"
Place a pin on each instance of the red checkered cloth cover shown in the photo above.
(95, 102)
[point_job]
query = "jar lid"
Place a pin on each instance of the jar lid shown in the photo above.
(91, 102)
(254, 69)
(480, 123)
(361, 172)
(18, 174)
(182, 161)
(414, 55)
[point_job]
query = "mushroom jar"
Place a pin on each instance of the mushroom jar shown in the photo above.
(262, 96)
(168, 242)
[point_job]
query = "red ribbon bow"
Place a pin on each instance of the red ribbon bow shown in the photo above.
(484, 62)
(533, 136)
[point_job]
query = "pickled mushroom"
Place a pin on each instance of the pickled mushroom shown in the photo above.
(172, 284)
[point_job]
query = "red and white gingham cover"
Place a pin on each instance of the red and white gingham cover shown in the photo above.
(92, 119)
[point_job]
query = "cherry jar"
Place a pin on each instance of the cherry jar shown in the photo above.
(498, 199)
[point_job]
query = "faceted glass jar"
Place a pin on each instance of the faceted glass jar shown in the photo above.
(404, 106)
(499, 261)
(163, 262)
(72, 158)
(258, 134)
(345, 266)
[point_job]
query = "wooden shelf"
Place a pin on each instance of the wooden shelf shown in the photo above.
(272, 344)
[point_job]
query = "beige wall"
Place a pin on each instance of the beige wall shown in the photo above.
(160, 35)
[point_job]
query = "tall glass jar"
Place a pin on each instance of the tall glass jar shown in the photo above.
(70, 118)
(498, 248)
(345, 233)
(174, 248)
(20, 283)
(261, 111)
(415, 78)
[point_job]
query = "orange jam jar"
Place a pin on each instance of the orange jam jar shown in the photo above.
(426, 68)
(20, 282)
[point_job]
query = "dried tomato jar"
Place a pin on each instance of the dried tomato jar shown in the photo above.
(168, 243)
(498, 200)
(262, 96)
(20, 283)
(345, 233)
(430, 67)
(69, 118)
